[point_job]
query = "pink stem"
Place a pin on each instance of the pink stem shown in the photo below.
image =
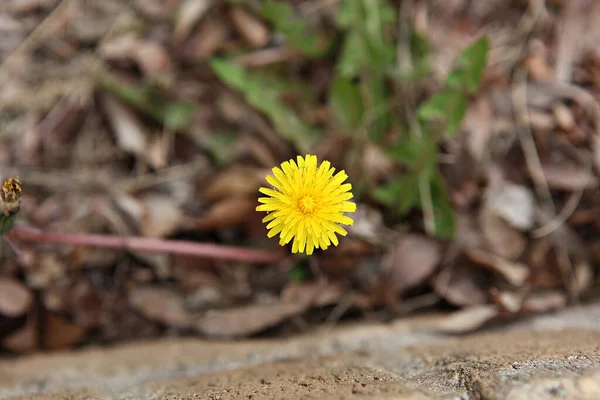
(188, 248)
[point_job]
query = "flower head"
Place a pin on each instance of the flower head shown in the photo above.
(10, 203)
(10, 196)
(307, 204)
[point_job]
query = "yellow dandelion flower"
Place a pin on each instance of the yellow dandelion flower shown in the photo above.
(307, 204)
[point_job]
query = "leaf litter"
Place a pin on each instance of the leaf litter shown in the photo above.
(162, 119)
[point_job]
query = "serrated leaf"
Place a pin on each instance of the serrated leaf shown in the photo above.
(346, 103)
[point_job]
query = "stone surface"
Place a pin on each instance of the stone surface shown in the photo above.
(548, 357)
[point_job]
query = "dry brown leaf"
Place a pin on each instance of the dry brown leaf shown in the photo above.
(225, 213)
(461, 285)
(188, 15)
(211, 36)
(468, 235)
(15, 298)
(477, 127)
(514, 203)
(150, 56)
(563, 116)
(375, 163)
(501, 238)
(509, 300)
(161, 216)
(540, 302)
(583, 277)
(129, 131)
(26, 339)
(60, 334)
(234, 182)
(569, 177)
(410, 261)
(515, 273)
(368, 224)
(162, 305)
(158, 9)
(245, 321)
(254, 32)
(313, 294)
(468, 319)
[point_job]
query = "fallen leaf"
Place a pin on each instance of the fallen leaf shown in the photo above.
(563, 116)
(158, 9)
(150, 56)
(314, 294)
(130, 133)
(501, 238)
(468, 235)
(514, 203)
(461, 285)
(211, 36)
(234, 182)
(410, 261)
(368, 224)
(468, 319)
(509, 300)
(161, 216)
(477, 127)
(582, 279)
(568, 177)
(225, 213)
(15, 298)
(515, 273)
(60, 334)
(539, 302)
(254, 32)
(188, 15)
(162, 305)
(26, 339)
(245, 321)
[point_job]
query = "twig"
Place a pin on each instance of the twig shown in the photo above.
(181, 247)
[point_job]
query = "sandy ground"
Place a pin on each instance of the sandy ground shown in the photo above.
(553, 356)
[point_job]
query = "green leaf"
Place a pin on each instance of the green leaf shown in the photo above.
(299, 273)
(264, 95)
(474, 59)
(178, 115)
(350, 62)
(401, 194)
(444, 215)
(220, 145)
(449, 105)
(375, 94)
(346, 103)
(174, 115)
(457, 113)
(408, 151)
(295, 29)
(419, 45)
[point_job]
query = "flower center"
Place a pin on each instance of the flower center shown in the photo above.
(307, 204)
